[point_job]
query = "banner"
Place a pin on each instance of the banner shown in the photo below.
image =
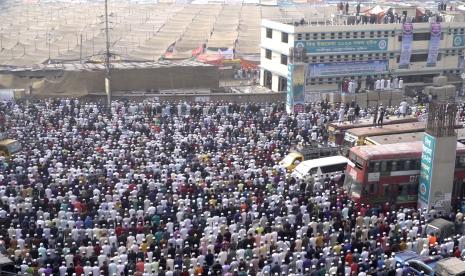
(289, 95)
(345, 68)
(434, 44)
(426, 170)
(298, 87)
(343, 45)
(406, 53)
(295, 98)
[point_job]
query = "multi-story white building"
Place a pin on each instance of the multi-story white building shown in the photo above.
(333, 53)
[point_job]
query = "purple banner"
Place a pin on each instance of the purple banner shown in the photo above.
(434, 44)
(406, 53)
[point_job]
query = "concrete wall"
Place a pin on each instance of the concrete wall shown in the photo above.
(364, 100)
(143, 79)
(276, 97)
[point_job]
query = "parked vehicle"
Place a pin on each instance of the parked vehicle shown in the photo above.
(441, 228)
(300, 154)
(450, 266)
(423, 265)
(321, 166)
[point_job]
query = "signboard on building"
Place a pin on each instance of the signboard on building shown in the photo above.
(406, 52)
(459, 41)
(296, 88)
(371, 67)
(434, 44)
(426, 170)
(343, 45)
(289, 95)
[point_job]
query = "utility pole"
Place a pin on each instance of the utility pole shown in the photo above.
(107, 62)
(80, 50)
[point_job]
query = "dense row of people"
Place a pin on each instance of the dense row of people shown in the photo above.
(179, 189)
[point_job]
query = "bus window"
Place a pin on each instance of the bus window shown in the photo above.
(359, 163)
(386, 190)
(394, 166)
(413, 188)
(416, 164)
(373, 188)
(374, 167)
(402, 189)
(388, 166)
(313, 171)
(407, 165)
(384, 166)
(460, 163)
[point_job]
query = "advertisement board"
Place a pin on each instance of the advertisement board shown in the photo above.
(289, 94)
(427, 156)
(459, 41)
(371, 67)
(434, 44)
(343, 45)
(406, 52)
(296, 88)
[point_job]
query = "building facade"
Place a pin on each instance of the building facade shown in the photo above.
(332, 54)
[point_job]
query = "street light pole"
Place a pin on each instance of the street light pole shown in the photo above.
(462, 76)
(107, 61)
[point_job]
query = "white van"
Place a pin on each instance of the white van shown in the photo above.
(321, 166)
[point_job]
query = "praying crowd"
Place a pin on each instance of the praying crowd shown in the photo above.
(188, 189)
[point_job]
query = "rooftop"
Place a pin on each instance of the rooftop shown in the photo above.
(397, 150)
(388, 129)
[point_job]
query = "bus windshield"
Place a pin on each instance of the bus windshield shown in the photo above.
(352, 186)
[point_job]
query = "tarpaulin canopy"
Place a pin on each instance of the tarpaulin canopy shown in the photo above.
(376, 10)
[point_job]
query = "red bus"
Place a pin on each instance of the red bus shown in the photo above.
(389, 174)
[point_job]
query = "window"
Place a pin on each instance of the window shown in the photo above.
(421, 36)
(386, 190)
(374, 167)
(307, 36)
(333, 168)
(460, 162)
(418, 57)
(285, 37)
(269, 33)
(383, 166)
(282, 84)
(268, 54)
(416, 164)
(373, 188)
(284, 59)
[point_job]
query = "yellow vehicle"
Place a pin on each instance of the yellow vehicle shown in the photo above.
(300, 154)
(9, 147)
(291, 160)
